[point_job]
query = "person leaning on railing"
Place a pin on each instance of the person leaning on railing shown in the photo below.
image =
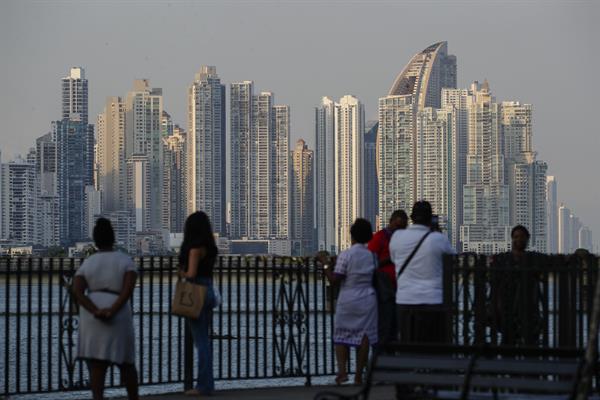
(355, 321)
(197, 259)
(515, 293)
(103, 286)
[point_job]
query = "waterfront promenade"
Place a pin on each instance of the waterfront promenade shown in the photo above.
(288, 393)
(273, 328)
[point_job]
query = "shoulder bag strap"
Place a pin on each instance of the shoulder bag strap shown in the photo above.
(410, 257)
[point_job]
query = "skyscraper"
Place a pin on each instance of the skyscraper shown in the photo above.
(111, 155)
(75, 96)
(552, 213)
(404, 155)
(139, 190)
(486, 204)
(93, 208)
(564, 230)
(302, 206)
(425, 75)
(525, 176)
(75, 168)
(436, 174)
(206, 147)
(259, 165)
(241, 126)
(48, 211)
(371, 183)
(143, 136)
(349, 167)
(18, 201)
(280, 174)
(174, 210)
(325, 174)
(396, 154)
(585, 239)
(456, 99)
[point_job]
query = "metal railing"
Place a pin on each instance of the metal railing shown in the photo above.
(272, 323)
(275, 320)
(540, 300)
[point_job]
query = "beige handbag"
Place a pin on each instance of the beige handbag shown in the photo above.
(188, 299)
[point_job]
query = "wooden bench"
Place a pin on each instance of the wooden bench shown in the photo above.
(461, 372)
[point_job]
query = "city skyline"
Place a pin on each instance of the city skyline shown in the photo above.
(475, 63)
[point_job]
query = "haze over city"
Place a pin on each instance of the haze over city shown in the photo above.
(542, 53)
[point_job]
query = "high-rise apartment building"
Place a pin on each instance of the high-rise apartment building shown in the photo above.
(325, 174)
(75, 167)
(260, 165)
(280, 174)
(486, 203)
(371, 182)
(403, 154)
(111, 155)
(564, 230)
(525, 175)
(205, 159)
(396, 154)
(143, 136)
(174, 204)
(575, 225)
(139, 182)
(241, 128)
(425, 75)
(75, 96)
(18, 201)
(93, 208)
(302, 199)
(48, 211)
(552, 213)
(585, 239)
(436, 166)
(349, 167)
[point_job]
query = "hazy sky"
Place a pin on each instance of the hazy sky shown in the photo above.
(541, 52)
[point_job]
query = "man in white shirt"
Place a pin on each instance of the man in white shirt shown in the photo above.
(419, 311)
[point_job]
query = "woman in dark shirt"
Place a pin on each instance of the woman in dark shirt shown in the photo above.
(196, 260)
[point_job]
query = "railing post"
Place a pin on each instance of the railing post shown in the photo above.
(188, 358)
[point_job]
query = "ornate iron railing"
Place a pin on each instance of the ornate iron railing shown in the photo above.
(272, 323)
(275, 320)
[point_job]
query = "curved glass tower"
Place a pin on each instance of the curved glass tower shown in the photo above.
(425, 75)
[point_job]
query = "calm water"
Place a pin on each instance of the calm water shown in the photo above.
(250, 340)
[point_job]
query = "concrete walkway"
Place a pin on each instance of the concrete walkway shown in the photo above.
(287, 393)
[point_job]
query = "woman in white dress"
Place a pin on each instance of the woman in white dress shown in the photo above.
(355, 321)
(103, 286)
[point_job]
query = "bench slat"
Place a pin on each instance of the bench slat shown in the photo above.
(433, 380)
(409, 361)
(526, 366)
(531, 385)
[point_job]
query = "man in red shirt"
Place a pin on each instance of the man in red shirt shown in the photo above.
(380, 246)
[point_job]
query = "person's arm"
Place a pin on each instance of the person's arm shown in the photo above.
(333, 277)
(195, 256)
(126, 291)
(336, 272)
(78, 290)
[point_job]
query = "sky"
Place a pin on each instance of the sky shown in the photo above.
(545, 53)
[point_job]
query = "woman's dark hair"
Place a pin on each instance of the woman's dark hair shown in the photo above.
(197, 232)
(520, 228)
(103, 234)
(361, 231)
